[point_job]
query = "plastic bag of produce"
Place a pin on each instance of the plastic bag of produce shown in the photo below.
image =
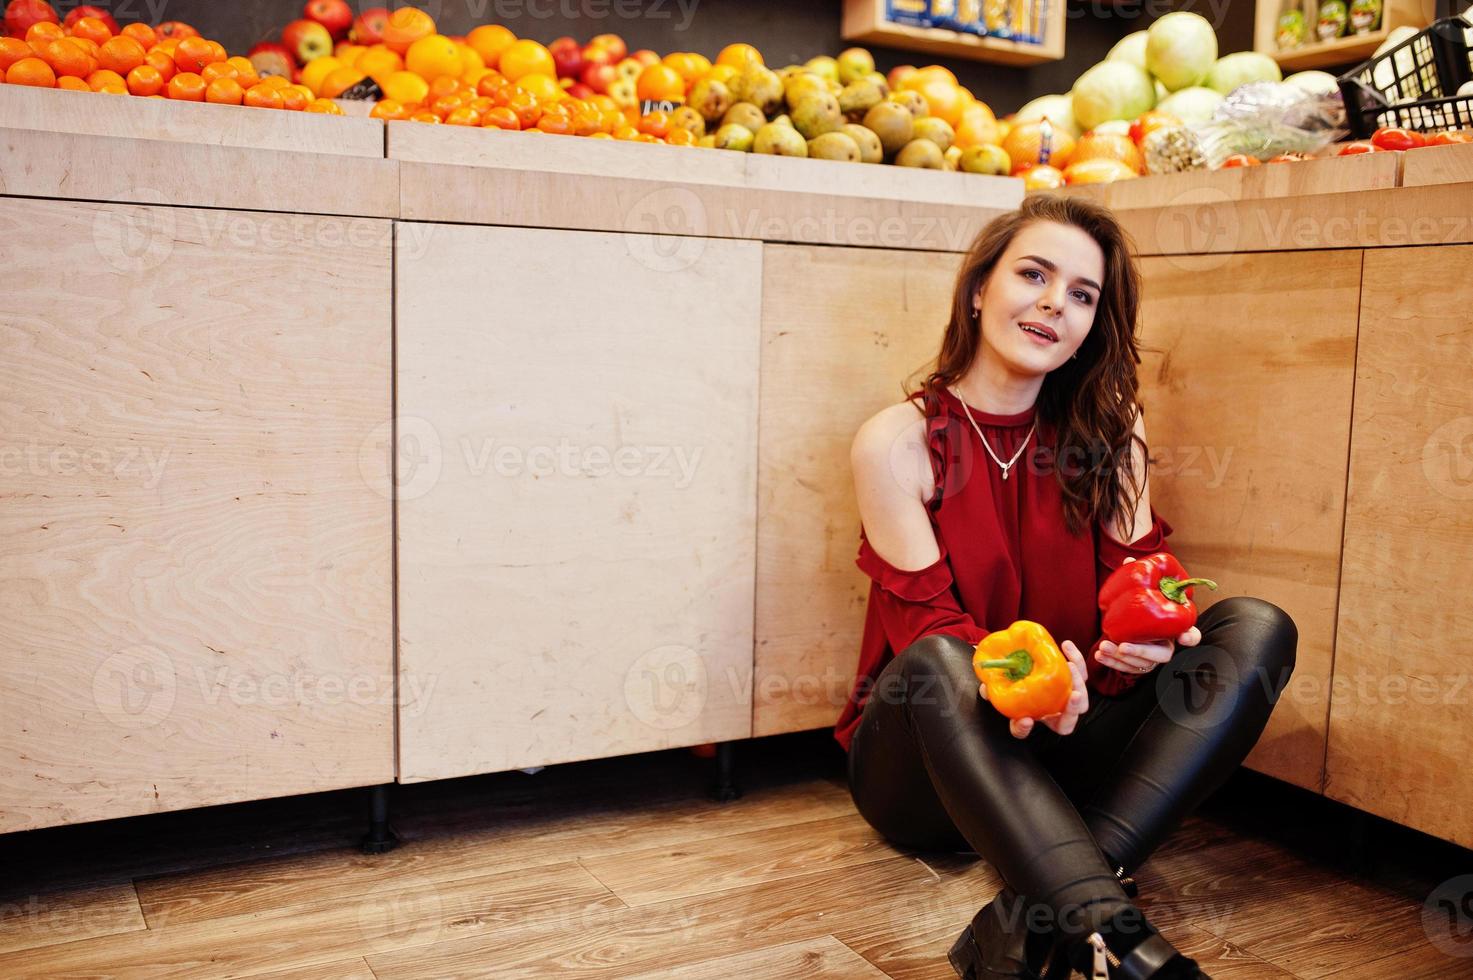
(1269, 118)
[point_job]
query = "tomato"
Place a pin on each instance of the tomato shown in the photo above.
(1240, 160)
(1290, 157)
(1359, 146)
(1396, 138)
(1150, 121)
(1449, 138)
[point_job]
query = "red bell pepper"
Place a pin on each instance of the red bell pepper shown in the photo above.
(1148, 600)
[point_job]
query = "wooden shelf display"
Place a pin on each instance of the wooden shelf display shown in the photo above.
(1346, 50)
(866, 21)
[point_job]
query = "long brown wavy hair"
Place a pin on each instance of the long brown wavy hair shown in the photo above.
(1090, 400)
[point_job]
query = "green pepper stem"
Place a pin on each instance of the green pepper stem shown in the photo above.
(1018, 664)
(1176, 588)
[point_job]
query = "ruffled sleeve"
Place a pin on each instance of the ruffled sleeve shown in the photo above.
(913, 604)
(1112, 554)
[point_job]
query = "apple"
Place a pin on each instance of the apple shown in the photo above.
(646, 57)
(597, 54)
(624, 92)
(335, 15)
(613, 43)
(599, 77)
(897, 75)
(22, 15)
(306, 39)
(580, 91)
(88, 10)
(629, 68)
(568, 59)
(369, 27)
(270, 58)
(175, 28)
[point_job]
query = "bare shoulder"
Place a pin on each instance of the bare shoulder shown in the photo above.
(892, 443)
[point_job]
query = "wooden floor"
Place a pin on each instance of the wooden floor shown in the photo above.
(625, 868)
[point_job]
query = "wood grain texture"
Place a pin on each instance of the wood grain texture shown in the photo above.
(197, 568)
(576, 553)
(1400, 727)
(73, 166)
(1332, 175)
(61, 111)
(36, 920)
(1438, 165)
(1247, 416)
(352, 969)
(824, 958)
(842, 330)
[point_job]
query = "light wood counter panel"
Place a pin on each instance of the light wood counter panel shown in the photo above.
(60, 111)
(197, 577)
(1401, 730)
(71, 166)
(1248, 417)
(577, 477)
(1438, 165)
(842, 330)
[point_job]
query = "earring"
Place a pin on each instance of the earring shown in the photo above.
(1074, 356)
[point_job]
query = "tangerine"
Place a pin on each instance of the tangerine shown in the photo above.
(379, 61)
(224, 91)
(444, 86)
(161, 63)
(660, 82)
(463, 116)
(502, 117)
(145, 80)
(556, 124)
(425, 117)
(387, 109)
(327, 106)
(121, 54)
(339, 81)
(544, 87)
(262, 96)
(490, 41)
(219, 69)
(404, 87)
(31, 71)
(434, 57)
(524, 57)
(103, 77)
(405, 26)
(43, 33)
(492, 83)
(68, 82)
(141, 33)
(655, 123)
(186, 86)
(193, 54)
(13, 49)
(688, 65)
(91, 28)
(67, 57)
(739, 55)
(294, 98)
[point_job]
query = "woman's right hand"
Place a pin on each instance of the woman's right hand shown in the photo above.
(1062, 723)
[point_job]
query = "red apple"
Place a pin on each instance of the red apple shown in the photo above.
(306, 39)
(580, 91)
(369, 27)
(87, 10)
(599, 77)
(270, 58)
(646, 57)
(568, 59)
(175, 28)
(598, 54)
(335, 15)
(618, 50)
(22, 15)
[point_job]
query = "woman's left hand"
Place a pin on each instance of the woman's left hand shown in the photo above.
(1141, 658)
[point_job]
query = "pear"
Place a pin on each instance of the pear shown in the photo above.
(834, 146)
(779, 139)
(816, 115)
(860, 96)
(711, 98)
(951, 159)
(759, 86)
(913, 101)
(734, 136)
(823, 65)
(937, 130)
(986, 158)
(880, 80)
(801, 86)
(745, 114)
(854, 64)
(921, 153)
(870, 150)
(687, 118)
(892, 123)
(708, 141)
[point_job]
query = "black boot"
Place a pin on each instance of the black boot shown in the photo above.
(1134, 950)
(998, 944)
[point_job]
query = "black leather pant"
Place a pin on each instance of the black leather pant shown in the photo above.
(934, 767)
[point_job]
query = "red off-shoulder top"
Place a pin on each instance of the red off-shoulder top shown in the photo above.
(1005, 554)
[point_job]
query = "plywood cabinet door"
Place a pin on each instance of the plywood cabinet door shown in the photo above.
(195, 533)
(842, 329)
(1401, 726)
(577, 465)
(1247, 399)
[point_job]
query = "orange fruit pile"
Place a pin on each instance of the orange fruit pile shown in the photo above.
(168, 62)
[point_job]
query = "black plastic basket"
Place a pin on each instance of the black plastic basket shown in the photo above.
(1413, 85)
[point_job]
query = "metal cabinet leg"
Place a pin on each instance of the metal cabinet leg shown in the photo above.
(726, 787)
(380, 838)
